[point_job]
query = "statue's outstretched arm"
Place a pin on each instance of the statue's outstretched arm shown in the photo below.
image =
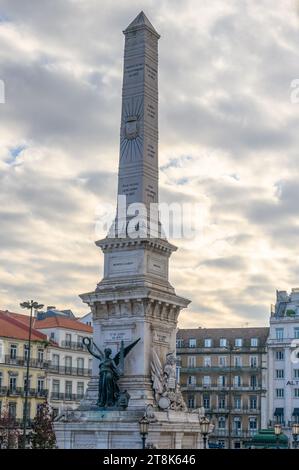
(90, 345)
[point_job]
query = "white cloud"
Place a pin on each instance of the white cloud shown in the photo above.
(228, 140)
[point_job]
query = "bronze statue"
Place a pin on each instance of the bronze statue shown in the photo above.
(110, 370)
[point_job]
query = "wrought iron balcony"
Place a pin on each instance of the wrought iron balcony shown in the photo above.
(22, 361)
(66, 396)
(68, 370)
(75, 345)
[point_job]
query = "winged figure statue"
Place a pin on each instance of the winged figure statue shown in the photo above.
(110, 370)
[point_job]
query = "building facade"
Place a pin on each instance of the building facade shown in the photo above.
(13, 363)
(283, 362)
(68, 361)
(224, 371)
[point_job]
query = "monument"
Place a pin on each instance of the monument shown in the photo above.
(135, 308)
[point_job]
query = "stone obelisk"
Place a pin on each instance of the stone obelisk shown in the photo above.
(135, 299)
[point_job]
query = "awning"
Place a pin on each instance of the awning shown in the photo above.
(279, 412)
(296, 412)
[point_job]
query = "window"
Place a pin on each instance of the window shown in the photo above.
(223, 343)
(222, 361)
(208, 343)
(206, 401)
(68, 364)
(55, 388)
(253, 402)
(207, 361)
(191, 401)
(279, 355)
(296, 392)
(191, 361)
(52, 335)
(80, 390)
(252, 424)
(13, 351)
(253, 361)
(238, 342)
(221, 422)
(2, 357)
(206, 381)
(254, 342)
(237, 403)
(12, 410)
(68, 339)
(221, 402)
(279, 417)
(12, 383)
(222, 381)
(237, 445)
(68, 390)
(40, 355)
(40, 385)
(296, 373)
(279, 333)
(237, 381)
(1, 379)
(80, 341)
(55, 361)
(26, 352)
(238, 361)
(237, 424)
(192, 343)
(279, 373)
(279, 392)
(191, 380)
(80, 365)
(253, 381)
(296, 333)
(179, 343)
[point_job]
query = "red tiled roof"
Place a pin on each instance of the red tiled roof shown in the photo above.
(11, 327)
(58, 322)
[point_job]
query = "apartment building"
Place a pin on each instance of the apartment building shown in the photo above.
(283, 362)
(68, 361)
(14, 336)
(224, 370)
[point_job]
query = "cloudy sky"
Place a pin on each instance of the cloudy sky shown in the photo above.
(228, 139)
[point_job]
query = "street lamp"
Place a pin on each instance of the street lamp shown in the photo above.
(143, 425)
(204, 425)
(30, 305)
(277, 430)
(295, 432)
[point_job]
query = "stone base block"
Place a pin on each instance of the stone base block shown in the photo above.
(97, 429)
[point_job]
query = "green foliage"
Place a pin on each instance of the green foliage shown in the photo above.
(42, 435)
(290, 313)
(9, 432)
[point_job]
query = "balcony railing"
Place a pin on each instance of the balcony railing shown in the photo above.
(243, 410)
(66, 396)
(21, 361)
(67, 370)
(20, 391)
(234, 433)
(227, 368)
(220, 388)
(76, 345)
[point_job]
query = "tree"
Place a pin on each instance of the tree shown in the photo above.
(9, 432)
(42, 435)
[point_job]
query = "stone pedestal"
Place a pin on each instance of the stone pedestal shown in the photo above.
(120, 430)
